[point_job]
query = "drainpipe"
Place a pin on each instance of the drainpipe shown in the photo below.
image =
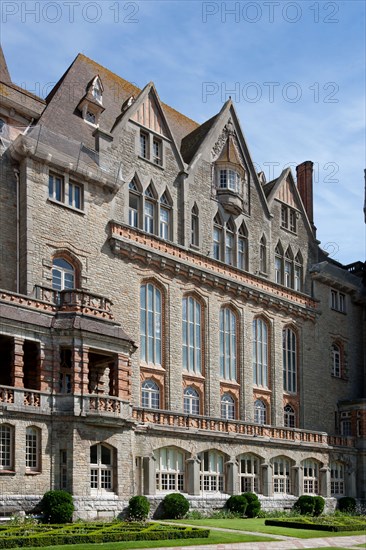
(16, 173)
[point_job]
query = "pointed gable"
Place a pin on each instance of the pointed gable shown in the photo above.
(148, 114)
(286, 194)
(4, 71)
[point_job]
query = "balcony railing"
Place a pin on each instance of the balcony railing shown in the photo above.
(21, 400)
(181, 421)
(76, 300)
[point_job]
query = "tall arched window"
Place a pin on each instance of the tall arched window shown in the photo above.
(227, 407)
(169, 469)
(191, 401)
(150, 398)
(195, 225)
(191, 328)
(101, 468)
(288, 281)
(165, 213)
(229, 242)
(279, 264)
(336, 361)
(32, 448)
(150, 210)
(260, 353)
(249, 473)
(242, 261)
(63, 274)
(336, 479)
(260, 412)
(227, 344)
(288, 416)
(281, 475)
(218, 231)
(150, 324)
(134, 203)
(298, 272)
(263, 255)
(212, 471)
(289, 346)
(311, 477)
(6, 447)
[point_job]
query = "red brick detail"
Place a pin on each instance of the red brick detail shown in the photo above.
(80, 359)
(121, 377)
(305, 186)
(50, 368)
(17, 374)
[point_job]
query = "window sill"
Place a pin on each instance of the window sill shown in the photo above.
(261, 389)
(7, 472)
(59, 203)
(194, 246)
(34, 473)
(188, 374)
(151, 366)
(289, 230)
(338, 311)
(161, 166)
(233, 383)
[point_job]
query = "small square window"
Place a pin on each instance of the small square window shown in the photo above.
(76, 195)
(56, 187)
(90, 117)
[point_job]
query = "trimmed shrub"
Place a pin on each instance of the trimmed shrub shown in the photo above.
(305, 505)
(347, 504)
(254, 505)
(138, 508)
(175, 506)
(237, 504)
(319, 504)
(57, 507)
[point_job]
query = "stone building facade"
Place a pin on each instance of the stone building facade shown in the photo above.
(168, 320)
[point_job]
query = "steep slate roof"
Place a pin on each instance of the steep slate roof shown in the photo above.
(192, 141)
(62, 102)
(4, 71)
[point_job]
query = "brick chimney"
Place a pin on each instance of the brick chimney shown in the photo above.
(304, 173)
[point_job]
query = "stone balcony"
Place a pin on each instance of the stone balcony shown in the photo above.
(177, 421)
(76, 301)
(32, 401)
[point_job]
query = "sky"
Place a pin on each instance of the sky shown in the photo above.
(294, 70)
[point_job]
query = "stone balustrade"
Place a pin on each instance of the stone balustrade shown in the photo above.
(76, 300)
(177, 420)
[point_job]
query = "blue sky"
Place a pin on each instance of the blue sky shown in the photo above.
(295, 71)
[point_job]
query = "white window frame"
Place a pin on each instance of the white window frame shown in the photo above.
(249, 469)
(192, 335)
(281, 476)
(66, 274)
(134, 195)
(211, 472)
(191, 401)
(32, 449)
(336, 361)
(195, 225)
(260, 352)
(228, 344)
(289, 360)
(170, 470)
(101, 474)
(62, 191)
(227, 407)
(150, 394)
(337, 301)
(260, 412)
(337, 477)
(6, 447)
(310, 477)
(289, 416)
(150, 324)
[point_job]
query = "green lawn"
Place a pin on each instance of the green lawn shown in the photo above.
(216, 537)
(258, 526)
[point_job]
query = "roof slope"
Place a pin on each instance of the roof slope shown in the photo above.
(4, 71)
(192, 141)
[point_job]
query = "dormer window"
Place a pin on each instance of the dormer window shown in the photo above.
(90, 105)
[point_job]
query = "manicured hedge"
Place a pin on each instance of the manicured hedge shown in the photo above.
(53, 535)
(315, 526)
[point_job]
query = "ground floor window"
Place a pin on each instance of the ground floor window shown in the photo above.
(6, 447)
(32, 449)
(249, 474)
(281, 476)
(336, 478)
(169, 470)
(212, 472)
(101, 467)
(311, 477)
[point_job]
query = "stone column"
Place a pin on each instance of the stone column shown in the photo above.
(193, 476)
(267, 484)
(277, 375)
(350, 481)
(296, 480)
(232, 477)
(121, 377)
(17, 374)
(50, 368)
(324, 482)
(149, 468)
